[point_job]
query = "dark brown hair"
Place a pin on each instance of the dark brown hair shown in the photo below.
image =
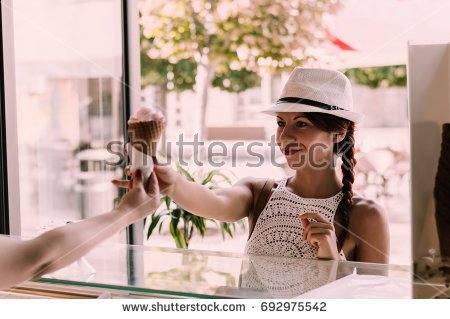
(345, 149)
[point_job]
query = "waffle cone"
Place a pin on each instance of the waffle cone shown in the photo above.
(144, 136)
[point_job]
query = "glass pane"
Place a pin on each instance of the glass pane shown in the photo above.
(216, 85)
(68, 57)
(195, 273)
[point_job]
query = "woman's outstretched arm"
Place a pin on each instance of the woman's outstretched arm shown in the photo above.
(227, 204)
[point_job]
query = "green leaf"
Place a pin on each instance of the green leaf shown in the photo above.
(160, 227)
(225, 177)
(176, 234)
(176, 214)
(225, 229)
(209, 177)
(167, 201)
(187, 216)
(185, 173)
(214, 221)
(190, 233)
(222, 231)
(199, 223)
(155, 220)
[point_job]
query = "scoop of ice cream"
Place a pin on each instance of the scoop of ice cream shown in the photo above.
(146, 114)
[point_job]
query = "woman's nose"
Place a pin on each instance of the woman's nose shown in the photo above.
(286, 134)
(285, 137)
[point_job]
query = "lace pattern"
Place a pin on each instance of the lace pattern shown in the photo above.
(286, 277)
(278, 230)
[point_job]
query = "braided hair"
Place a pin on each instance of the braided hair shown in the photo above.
(346, 150)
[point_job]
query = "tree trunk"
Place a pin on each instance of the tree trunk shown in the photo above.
(160, 100)
(205, 73)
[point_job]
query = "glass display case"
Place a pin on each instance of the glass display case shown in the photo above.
(118, 270)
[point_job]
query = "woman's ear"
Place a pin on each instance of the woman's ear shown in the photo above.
(339, 136)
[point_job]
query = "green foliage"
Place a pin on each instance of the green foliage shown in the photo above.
(182, 223)
(386, 76)
(181, 75)
(159, 71)
(235, 81)
(235, 38)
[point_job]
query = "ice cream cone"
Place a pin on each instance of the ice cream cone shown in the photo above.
(144, 136)
(145, 129)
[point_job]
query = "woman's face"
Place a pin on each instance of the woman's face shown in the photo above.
(302, 143)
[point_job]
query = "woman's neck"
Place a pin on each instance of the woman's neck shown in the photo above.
(314, 183)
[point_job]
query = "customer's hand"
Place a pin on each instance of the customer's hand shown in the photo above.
(139, 202)
(321, 235)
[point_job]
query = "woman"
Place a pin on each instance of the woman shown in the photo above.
(57, 248)
(311, 214)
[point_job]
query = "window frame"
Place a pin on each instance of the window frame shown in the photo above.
(10, 214)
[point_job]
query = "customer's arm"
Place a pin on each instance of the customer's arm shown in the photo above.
(57, 248)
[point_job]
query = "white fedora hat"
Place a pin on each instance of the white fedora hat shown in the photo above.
(317, 90)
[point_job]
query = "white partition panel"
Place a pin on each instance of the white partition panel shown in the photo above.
(429, 105)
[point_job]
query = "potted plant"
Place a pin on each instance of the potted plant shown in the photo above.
(182, 223)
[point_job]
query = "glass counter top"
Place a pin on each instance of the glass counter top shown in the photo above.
(207, 274)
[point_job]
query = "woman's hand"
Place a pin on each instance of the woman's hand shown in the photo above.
(167, 177)
(321, 235)
(139, 202)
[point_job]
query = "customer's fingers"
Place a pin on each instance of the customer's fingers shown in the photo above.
(153, 186)
(122, 183)
(138, 180)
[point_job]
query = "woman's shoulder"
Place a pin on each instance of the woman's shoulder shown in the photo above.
(369, 230)
(257, 184)
(257, 181)
(367, 212)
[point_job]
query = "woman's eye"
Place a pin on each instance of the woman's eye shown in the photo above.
(280, 123)
(301, 124)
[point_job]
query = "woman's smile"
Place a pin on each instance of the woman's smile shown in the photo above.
(291, 151)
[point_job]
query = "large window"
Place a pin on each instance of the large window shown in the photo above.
(68, 70)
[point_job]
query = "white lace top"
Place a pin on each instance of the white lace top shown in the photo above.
(278, 230)
(286, 277)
